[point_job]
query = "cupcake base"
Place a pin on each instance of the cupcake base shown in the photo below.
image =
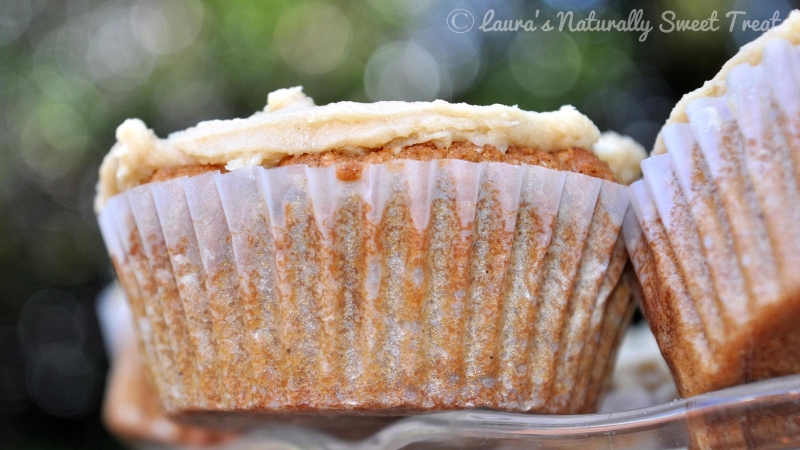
(412, 287)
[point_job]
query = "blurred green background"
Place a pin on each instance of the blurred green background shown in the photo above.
(71, 71)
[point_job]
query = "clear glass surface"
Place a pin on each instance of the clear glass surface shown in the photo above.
(763, 415)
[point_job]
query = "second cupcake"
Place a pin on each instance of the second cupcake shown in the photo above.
(716, 234)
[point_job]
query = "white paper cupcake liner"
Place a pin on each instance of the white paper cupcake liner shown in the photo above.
(419, 286)
(717, 246)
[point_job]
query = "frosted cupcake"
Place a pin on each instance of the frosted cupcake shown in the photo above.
(715, 237)
(373, 259)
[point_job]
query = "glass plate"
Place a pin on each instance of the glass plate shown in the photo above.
(763, 415)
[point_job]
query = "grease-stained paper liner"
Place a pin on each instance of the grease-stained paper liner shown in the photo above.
(717, 241)
(419, 286)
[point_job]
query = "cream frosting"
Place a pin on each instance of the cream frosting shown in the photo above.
(291, 124)
(750, 53)
(622, 154)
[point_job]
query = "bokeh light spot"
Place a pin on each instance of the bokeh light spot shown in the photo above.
(50, 317)
(15, 15)
(402, 71)
(61, 380)
(457, 56)
(313, 38)
(166, 27)
(62, 127)
(115, 57)
(545, 64)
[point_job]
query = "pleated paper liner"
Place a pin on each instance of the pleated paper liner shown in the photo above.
(717, 241)
(417, 287)
(677, 329)
(131, 412)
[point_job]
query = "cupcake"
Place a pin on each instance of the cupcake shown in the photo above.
(715, 237)
(369, 259)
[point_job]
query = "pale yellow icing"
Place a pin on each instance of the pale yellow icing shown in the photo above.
(622, 154)
(291, 124)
